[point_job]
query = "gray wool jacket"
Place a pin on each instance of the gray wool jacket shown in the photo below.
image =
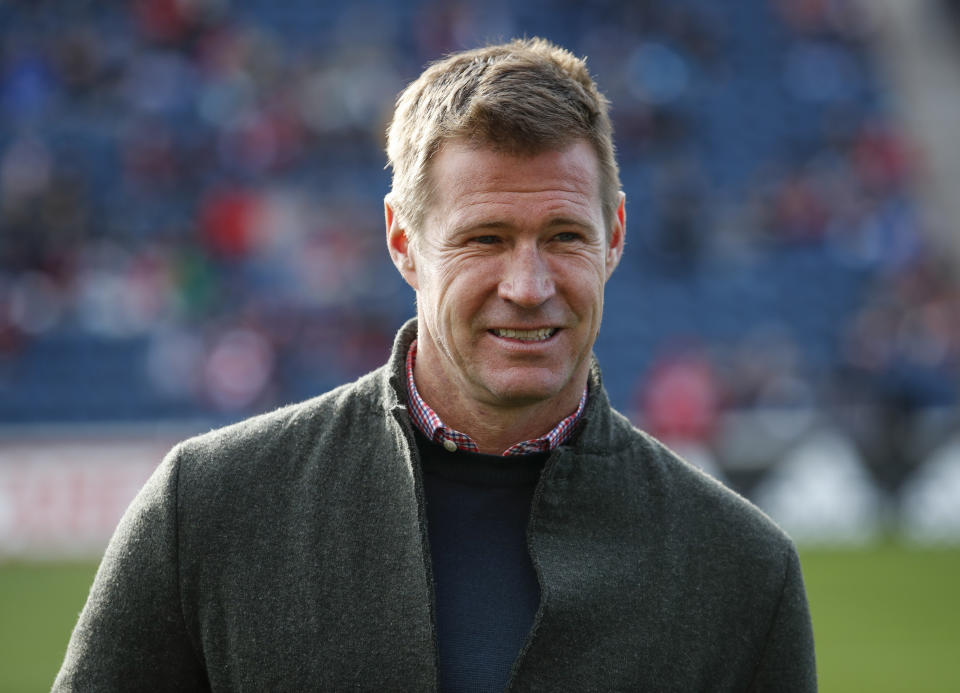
(289, 553)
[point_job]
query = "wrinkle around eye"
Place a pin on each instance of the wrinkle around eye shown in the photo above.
(457, 255)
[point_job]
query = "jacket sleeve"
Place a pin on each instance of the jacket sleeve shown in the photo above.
(131, 633)
(788, 663)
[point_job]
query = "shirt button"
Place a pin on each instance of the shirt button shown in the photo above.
(449, 445)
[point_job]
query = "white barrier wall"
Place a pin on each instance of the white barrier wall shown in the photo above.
(62, 493)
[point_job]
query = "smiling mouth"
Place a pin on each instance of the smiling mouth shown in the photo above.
(538, 335)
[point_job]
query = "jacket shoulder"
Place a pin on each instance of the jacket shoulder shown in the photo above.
(279, 444)
(706, 506)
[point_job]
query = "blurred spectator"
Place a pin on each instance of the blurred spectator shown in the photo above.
(845, 19)
(227, 218)
(28, 83)
(680, 399)
(238, 368)
(901, 360)
(25, 173)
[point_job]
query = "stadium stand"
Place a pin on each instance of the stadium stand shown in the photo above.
(191, 225)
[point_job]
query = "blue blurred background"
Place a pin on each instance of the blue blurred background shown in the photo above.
(191, 230)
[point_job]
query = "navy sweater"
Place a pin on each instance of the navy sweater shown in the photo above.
(486, 588)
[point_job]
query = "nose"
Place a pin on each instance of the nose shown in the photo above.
(527, 280)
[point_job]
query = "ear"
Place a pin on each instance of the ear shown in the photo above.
(617, 236)
(399, 247)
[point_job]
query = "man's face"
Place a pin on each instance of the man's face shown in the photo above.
(509, 271)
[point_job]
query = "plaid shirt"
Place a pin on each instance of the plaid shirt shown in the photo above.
(432, 427)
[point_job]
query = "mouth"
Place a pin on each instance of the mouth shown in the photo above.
(538, 335)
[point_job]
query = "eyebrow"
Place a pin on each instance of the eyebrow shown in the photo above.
(494, 225)
(567, 221)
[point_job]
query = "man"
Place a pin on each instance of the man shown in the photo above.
(473, 515)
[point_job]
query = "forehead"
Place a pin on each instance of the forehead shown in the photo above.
(471, 182)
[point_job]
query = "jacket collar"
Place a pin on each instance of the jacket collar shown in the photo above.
(595, 430)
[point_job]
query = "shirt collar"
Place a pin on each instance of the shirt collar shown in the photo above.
(430, 425)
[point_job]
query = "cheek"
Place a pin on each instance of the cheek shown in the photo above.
(447, 300)
(583, 284)
(465, 285)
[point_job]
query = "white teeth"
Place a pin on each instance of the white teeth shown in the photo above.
(527, 335)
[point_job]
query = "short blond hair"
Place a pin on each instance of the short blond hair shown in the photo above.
(524, 97)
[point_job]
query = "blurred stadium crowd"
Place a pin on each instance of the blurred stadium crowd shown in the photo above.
(191, 221)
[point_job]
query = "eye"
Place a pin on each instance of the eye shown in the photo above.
(567, 237)
(485, 240)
